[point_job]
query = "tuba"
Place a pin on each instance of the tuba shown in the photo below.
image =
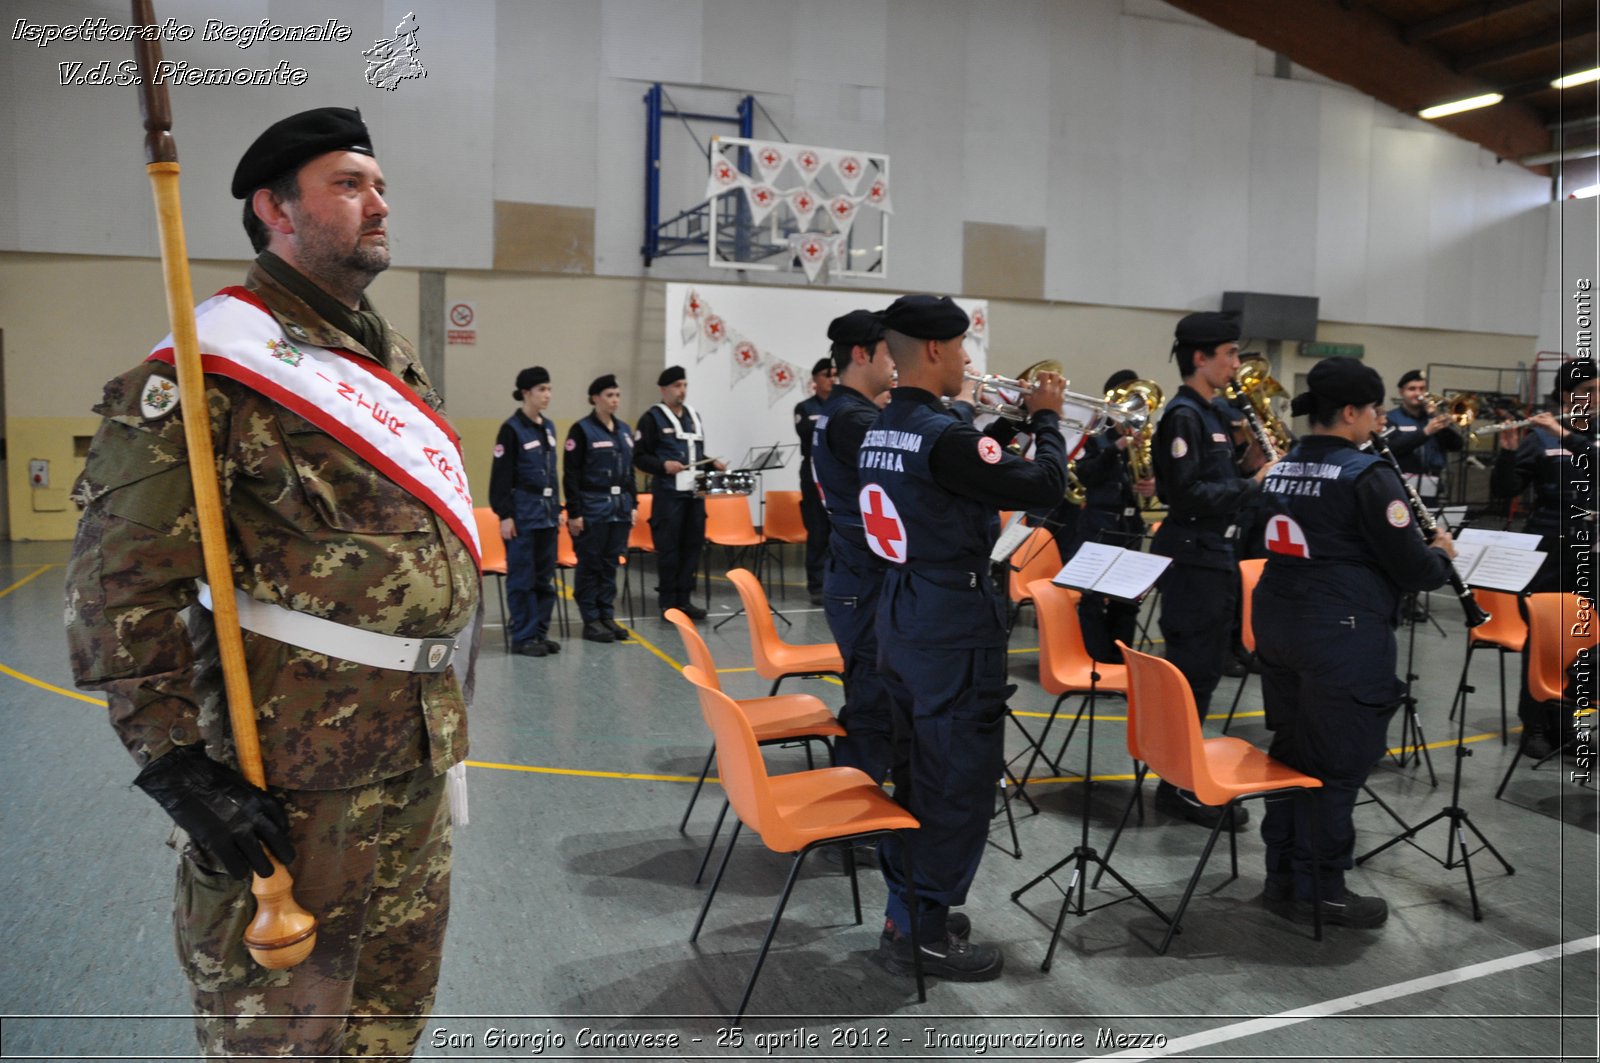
(1253, 383)
(1147, 393)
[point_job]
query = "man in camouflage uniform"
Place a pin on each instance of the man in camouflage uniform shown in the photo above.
(355, 754)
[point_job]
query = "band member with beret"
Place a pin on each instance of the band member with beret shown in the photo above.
(600, 507)
(522, 491)
(811, 511)
(1421, 437)
(670, 447)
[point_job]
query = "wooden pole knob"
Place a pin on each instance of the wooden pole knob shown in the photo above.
(282, 933)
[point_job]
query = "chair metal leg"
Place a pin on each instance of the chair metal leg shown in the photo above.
(855, 884)
(908, 868)
(704, 771)
(505, 624)
(772, 929)
(1237, 694)
(1194, 879)
(733, 840)
(711, 843)
(1139, 771)
(1503, 730)
(1314, 798)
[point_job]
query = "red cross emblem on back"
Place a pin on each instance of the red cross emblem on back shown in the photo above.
(1286, 537)
(886, 534)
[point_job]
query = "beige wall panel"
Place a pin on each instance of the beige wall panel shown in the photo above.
(541, 237)
(1002, 261)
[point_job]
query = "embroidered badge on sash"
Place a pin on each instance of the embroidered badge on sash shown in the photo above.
(159, 399)
(1179, 447)
(285, 352)
(989, 450)
(499, 451)
(1398, 514)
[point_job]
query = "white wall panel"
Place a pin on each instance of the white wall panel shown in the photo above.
(655, 40)
(1508, 241)
(1007, 116)
(1397, 229)
(843, 41)
(747, 45)
(546, 102)
(1282, 185)
(1447, 262)
(1342, 204)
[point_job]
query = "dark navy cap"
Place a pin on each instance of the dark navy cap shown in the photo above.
(926, 317)
(671, 375)
(858, 328)
(531, 378)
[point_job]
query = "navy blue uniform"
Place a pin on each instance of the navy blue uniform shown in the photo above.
(1343, 548)
(599, 475)
(1421, 456)
(1198, 480)
(522, 487)
(1110, 515)
(930, 486)
(852, 582)
(677, 518)
(811, 511)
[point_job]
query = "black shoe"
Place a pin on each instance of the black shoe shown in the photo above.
(618, 632)
(1352, 909)
(1277, 897)
(956, 924)
(552, 646)
(535, 648)
(1234, 668)
(1537, 744)
(1182, 804)
(693, 612)
(596, 631)
(954, 958)
(816, 597)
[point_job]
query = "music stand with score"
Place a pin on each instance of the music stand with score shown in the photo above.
(761, 458)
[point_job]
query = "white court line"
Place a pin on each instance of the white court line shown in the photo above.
(1354, 1001)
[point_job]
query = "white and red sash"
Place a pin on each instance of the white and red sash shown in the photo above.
(358, 402)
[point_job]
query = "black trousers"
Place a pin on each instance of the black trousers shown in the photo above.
(678, 526)
(817, 531)
(1197, 606)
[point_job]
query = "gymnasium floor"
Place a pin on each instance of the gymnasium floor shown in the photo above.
(573, 897)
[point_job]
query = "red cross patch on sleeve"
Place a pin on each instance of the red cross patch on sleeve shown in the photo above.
(989, 450)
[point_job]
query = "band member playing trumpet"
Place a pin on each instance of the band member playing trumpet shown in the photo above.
(1343, 547)
(930, 485)
(1557, 456)
(1196, 476)
(1422, 435)
(1110, 514)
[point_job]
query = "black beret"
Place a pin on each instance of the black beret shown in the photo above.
(1120, 377)
(858, 328)
(1341, 382)
(530, 378)
(670, 375)
(602, 383)
(296, 140)
(1409, 375)
(1571, 374)
(926, 317)
(1207, 329)
(824, 365)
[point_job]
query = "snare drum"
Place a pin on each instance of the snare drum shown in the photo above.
(712, 482)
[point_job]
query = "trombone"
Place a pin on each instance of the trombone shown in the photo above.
(1002, 396)
(1462, 407)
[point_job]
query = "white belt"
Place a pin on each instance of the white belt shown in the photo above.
(333, 639)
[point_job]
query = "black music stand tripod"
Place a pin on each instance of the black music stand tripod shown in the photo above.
(1074, 897)
(1456, 816)
(758, 460)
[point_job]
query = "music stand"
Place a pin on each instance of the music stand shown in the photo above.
(758, 460)
(1097, 569)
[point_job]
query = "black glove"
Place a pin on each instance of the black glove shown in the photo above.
(219, 810)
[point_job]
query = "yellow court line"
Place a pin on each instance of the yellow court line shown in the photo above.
(647, 644)
(27, 579)
(582, 772)
(42, 685)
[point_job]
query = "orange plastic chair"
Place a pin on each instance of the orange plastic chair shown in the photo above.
(776, 659)
(1164, 733)
(784, 524)
(794, 813)
(785, 718)
(1036, 559)
(729, 526)
(1559, 626)
(1249, 575)
(493, 549)
(1065, 668)
(1506, 632)
(566, 558)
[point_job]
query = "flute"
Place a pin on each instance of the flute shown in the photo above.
(1506, 426)
(1427, 527)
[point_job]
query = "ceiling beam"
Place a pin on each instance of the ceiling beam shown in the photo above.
(1500, 53)
(1458, 17)
(1363, 49)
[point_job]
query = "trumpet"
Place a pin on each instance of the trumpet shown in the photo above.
(1002, 396)
(1462, 407)
(1506, 426)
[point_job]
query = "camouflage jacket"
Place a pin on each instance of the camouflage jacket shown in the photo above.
(311, 527)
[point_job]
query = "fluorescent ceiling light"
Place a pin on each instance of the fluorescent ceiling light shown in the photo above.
(1582, 77)
(1440, 110)
(1585, 193)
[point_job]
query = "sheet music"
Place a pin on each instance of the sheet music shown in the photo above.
(1502, 568)
(1453, 517)
(1467, 554)
(1107, 569)
(1515, 540)
(1015, 534)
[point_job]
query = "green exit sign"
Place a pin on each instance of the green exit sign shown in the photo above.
(1333, 350)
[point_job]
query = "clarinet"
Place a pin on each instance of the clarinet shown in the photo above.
(1427, 527)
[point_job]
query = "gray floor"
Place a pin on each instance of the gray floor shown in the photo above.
(573, 899)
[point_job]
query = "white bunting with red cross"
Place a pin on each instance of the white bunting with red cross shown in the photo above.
(886, 532)
(851, 168)
(842, 209)
(762, 199)
(769, 160)
(781, 379)
(746, 356)
(804, 203)
(724, 176)
(1286, 537)
(692, 308)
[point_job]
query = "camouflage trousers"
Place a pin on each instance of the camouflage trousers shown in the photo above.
(373, 865)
